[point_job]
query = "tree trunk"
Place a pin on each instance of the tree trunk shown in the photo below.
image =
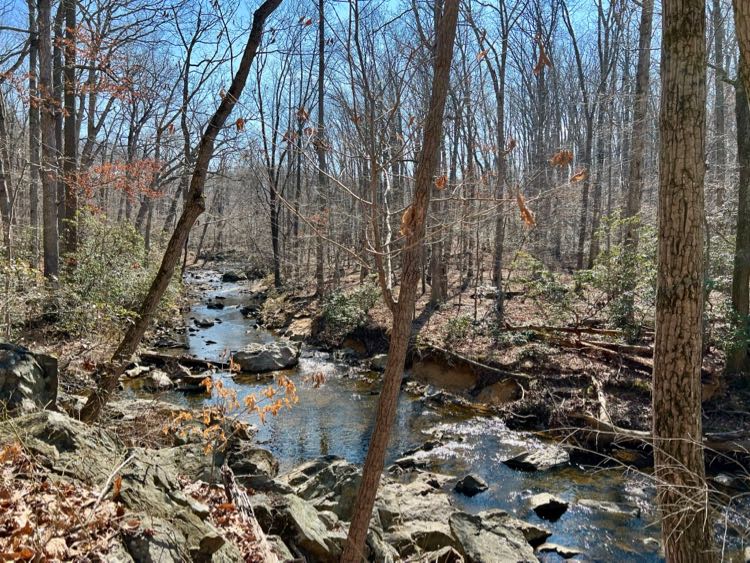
(194, 206)
(678, 451)
(720, 152)
(70, 231)
(321, 152)
(49, 144)
(742, 30)
(737, 357)
(637, 149)
(411, 265)
(33, 135)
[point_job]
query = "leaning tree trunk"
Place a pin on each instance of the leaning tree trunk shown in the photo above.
(678, 451)
(194, 206)
(411, 266)
(737, 357)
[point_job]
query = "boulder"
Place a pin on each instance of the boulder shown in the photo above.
(500, 393)
(193, 383)
(299, 329)
(561, 550)
(539, 460)
(471, 485)
(259, 358)
(378, 362)
(233, 276)
(157, 380)
(479, 542)
(204, 323)
(446, 554)
(245, 459)
(28, 382)
(308, 531)
(612, 508)
(548, 507)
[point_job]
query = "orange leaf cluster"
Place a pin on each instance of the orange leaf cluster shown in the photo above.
(527, 216)
(132, 178)
(441, 182)
(579, 176)
(408, 222)
(512, 144)
(240, 124)
(562, 158)
(482, 54)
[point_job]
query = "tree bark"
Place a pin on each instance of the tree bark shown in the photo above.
(321, 152)
(70, 158)
(737, 357)
(49, 144)
(678, 451)
(194, 206)
(410, 272)
(33, 134)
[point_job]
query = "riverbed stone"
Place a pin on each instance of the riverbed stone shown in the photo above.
(548, 507)
(563, 551)
(233, 276)
(613, 508)
(28, 381)
(299, 329)
(204, 323)
(157, 380)
(500, 393)
(378, 362)
(260, 358)
(479, 542)
(541, 459)
(471, 485)
(308, 531)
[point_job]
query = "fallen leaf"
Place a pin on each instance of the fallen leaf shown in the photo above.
(56, 548)
(579, 176)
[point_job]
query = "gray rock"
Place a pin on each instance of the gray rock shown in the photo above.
(539, 460)
(471, 485)
(446, 554)
(481, 543)
(245, 459)
(204, 323)
(193, 383)
(611, 507)
(378, 362)
(279, 548)
(548, 507)
(157, 380)
(28, 382)
(260, 358)
(561, 550)
(496, 518)
(233, 276)
(309, 532)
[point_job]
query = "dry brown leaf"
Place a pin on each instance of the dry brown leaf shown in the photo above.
(579, 176)
(482, 54)
(543, 59)
(302, 115)
(240, 124)
(526, 214)
(441, 182)
(512, 144)
(56, 548)
(116, 487)
(131, 525)
(562, 158)
(407, 222)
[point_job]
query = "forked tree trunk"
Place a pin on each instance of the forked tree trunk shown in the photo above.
(411, 266)
(687, 525)
(194, 206)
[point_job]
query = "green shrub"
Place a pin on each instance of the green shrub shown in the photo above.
(103, 283)
(345, 311)
(457, 329)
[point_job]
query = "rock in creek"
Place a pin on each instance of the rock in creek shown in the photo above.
(259, 358)
(471, 485)
(204, 323)
(485, 537)
(28, 382)
(548, 507)
(561, 550)
(539, 460)
(233, 276)
(157, 380)
(613, 508)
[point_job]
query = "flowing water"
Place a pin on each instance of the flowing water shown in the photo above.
(337, 418)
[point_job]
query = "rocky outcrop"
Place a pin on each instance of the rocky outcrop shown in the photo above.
(261, 358)
(28, 382)
(233, 276)
(489, 536)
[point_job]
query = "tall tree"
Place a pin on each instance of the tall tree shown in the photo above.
(194, 206)
(70, 156)
(49, 142)
(677, 429)
(413, 228)
(320, 149)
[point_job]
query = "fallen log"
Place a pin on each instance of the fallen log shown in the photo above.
(631, 349)
(571, 330)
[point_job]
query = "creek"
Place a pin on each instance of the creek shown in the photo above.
(337, 418)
